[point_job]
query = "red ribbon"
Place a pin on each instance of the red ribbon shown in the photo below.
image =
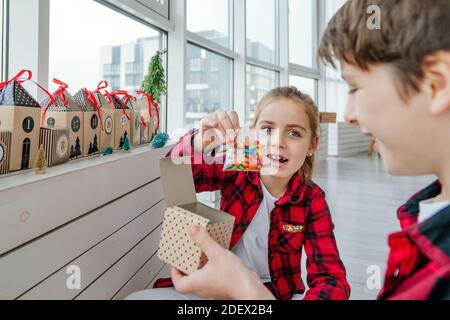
(151, 102)
(143, 121)
(28, 78)
(115, 94)
(59, 93)
(102, 86)
(94, 102)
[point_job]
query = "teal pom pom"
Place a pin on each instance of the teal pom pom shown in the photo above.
(126, 145)
(107, 151)
(160, 140)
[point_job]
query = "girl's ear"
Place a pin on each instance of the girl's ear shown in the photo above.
(437, 82)
(314, 144)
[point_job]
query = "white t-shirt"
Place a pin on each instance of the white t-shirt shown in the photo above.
(429, 208)
(252, 248)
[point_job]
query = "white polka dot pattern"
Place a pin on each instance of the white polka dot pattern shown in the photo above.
(176, 247)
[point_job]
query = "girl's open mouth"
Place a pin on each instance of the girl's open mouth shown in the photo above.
(277, 159)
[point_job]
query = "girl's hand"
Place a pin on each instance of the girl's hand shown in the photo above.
(216, 129)
(223, 277)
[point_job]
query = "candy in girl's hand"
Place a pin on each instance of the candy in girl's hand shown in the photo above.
(244, 153)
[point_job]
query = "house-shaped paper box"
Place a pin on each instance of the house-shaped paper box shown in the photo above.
(135, 121)
(91, 119)
(108, 114)
(20, 114)
(183, 211)
(149, 110)
(66, 114)
(122, 117)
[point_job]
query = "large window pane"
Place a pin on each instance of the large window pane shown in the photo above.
(301, 19)
(210, 19)
(305, 85)
(259, 82)
(208, 84)
(261, 37)
(85, 49)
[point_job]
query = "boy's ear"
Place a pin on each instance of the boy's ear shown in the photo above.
(437, 81)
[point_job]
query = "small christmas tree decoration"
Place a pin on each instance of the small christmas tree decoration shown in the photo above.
(126, 147)
(160, 140)
(154, 82)
(40, 162)
(107, 151)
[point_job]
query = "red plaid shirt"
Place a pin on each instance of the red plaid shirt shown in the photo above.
(303, 204)
(419, 260)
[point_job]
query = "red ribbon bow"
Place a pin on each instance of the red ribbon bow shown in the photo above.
(93, 101)
(116, 95)
(17, 78)
(59, 93)
(151, 102)
(102, 86)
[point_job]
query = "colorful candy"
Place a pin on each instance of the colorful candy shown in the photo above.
(245, 153)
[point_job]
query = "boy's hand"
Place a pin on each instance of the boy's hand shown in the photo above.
(214, 129)
(223, 277)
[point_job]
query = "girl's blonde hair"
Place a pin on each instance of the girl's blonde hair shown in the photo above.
(295, 95)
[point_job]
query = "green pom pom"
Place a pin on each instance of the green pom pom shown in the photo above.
(160, 140)
(107, 151)
(126, 145)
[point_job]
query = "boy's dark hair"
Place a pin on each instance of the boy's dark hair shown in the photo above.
(410, 31)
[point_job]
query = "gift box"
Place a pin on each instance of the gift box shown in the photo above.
(183, 211)
(150, 112)
(121, 120)
(327, 117)
(92, 122)
(135, 120)
(20, 114)
(56, 145)
(5, 147)
(107, 117)
(145, 131)
(65, 114)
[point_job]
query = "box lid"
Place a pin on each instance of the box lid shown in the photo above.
(72, 106)
(82, 99)
(14, 94)
(177, 180)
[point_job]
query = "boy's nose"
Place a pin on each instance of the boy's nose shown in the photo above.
(350, 114)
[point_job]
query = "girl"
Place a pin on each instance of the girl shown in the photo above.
(276, 215)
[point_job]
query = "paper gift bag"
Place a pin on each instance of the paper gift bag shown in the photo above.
(135, 121)
(56, 145)
(66, 114)
(145, 132)
(5, 147)
(92, 122)
(121, 119)
(150, 111)
(107, 117)
(20, 114)
(183, 211)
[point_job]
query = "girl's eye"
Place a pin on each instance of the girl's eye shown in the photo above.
(266, 129)
(294, 133)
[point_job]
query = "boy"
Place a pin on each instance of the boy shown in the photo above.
(399, 77)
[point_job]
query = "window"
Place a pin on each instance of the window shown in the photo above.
(336, 88)
(2, 53)
(210, 19)
(115, 48)
(208, 84)
(261, 30)
(302, 15)
(305, 85)
(259, 82)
